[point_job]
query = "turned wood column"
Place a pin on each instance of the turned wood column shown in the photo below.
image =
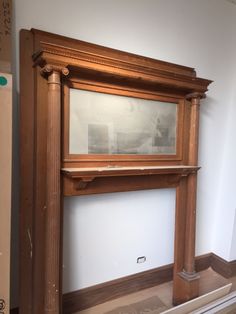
(186, 280)
(189, 264)
(53, 193)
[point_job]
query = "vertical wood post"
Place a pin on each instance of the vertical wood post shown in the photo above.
(189, 255)
(53, 194)
(186, 280)
(189, 265)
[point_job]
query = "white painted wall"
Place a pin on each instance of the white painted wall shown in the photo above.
(225, 218)
(233, 242)
(112, 230)
(196, 33)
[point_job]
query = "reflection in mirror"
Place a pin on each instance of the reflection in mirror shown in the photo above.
(109, 124)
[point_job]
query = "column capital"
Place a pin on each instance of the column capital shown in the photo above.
(195, 97)
(50, 68)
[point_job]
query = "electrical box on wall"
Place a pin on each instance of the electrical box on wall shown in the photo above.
(141, 259)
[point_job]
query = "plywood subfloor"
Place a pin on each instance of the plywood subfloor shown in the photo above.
(209, 281)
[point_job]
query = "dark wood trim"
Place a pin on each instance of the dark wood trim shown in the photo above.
(233, 268)
(203, 262)
(220, 265)
(27, 161)
(88, 297)
(223, 267)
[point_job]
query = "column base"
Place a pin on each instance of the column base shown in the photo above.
(185, 287)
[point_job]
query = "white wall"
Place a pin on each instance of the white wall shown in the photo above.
(112, 230)
(196, 33)
(225, 222)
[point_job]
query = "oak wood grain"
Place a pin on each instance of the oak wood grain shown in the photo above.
(103, 69)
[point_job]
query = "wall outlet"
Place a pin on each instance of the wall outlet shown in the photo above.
(141, 259)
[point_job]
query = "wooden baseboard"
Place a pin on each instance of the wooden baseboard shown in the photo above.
(233, 268)
(203, 262)
(85, 298)
(14, 311)
(88, 297)
(222, 267)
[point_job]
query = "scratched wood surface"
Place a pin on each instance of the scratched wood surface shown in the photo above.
(5, 187)
(5, 35)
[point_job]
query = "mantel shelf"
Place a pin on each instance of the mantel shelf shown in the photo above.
(76, 173)
(80, 181)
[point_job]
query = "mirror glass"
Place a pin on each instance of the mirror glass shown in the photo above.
(102, 123)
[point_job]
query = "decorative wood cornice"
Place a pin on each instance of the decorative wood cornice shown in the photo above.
(135, 68)
(93, 49)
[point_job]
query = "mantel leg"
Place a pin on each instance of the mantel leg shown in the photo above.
(186, 280)
(52, 302)
(52, 245)
(189, 255)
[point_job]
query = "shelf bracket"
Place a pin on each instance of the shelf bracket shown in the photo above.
(82, 183)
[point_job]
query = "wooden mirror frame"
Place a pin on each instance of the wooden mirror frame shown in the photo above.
(49, 65)
(118, 159)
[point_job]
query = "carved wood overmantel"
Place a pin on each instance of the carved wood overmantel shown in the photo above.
(52, 66)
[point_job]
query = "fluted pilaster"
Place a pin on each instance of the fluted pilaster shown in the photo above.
(53, 197)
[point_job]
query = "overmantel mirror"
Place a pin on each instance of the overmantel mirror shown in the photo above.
(108, 124)
(97, 120)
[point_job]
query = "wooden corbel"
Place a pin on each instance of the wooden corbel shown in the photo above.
(82, 183)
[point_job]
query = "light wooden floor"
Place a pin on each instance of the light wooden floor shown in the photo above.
(209, 281)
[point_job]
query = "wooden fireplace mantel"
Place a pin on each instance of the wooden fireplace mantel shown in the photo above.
(81, 181)
(51, 65)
